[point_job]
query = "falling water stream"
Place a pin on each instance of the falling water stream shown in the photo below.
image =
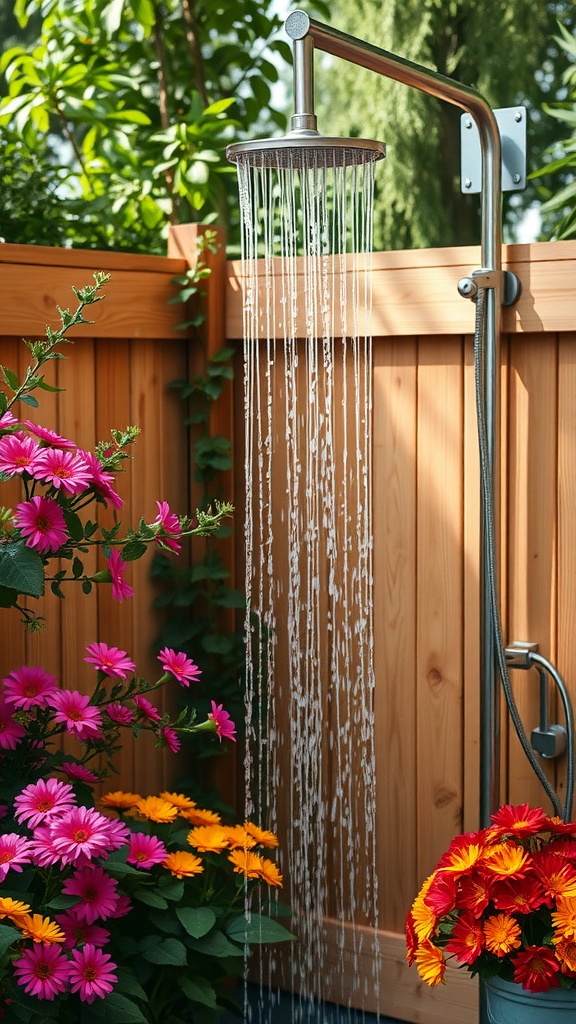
(310, 766)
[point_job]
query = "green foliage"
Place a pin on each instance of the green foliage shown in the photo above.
(559, 207)
(131, 104)
(506, 50)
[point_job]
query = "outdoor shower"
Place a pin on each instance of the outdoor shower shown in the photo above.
(493, 147)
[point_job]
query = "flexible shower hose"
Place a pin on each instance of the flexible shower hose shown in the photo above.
(487, 492)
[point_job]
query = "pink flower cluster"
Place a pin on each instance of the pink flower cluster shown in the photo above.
(46, 971)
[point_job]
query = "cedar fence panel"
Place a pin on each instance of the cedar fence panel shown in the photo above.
(426, 563)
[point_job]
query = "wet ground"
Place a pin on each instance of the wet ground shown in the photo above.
(285, 1008)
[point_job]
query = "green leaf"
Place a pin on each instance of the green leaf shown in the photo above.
(133, 550)
(258, 929)
(77, 568)
(214, 944)
(151, 899)
(62, 902)
(21, 569)
(74, 526)
(198, 990)
(163, 951)
(172, 888)
(197, 921)
(7, 937)
(8, 598)
(29, 400)
(129, 984)
(10, 378)
(118, 1009)
(86, 586)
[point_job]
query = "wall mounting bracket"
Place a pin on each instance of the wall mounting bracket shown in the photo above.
(512, 123)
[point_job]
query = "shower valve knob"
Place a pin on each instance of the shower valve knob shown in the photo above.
(467, 288)
(550, 742)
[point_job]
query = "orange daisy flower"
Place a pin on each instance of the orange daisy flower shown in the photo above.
(462, 855)
(430, 964)
(208, 838)
(183, 864)
(183, 803)
(246, 863)
(120, 801)
(564, 918)
(269, 873)
(156, 809)
(411, 939)
(502, 934)
(424, 919)
(262, 836)
(199, 816)
(505, 860)
(39, 929)
(13, 909)
(565, 950)
(238, 836)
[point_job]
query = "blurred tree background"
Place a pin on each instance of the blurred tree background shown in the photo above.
(115, 114)
(506, 49)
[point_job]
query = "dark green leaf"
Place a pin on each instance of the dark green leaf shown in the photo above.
(196, 921)
(258, 929)
(29, 400)
(10, 378)
(77, 568)
(7, 937)
(151, 899)
(163, 951)
(21, 569)
(214, 944)
(118, 1009)
(74, 525)
(133, 550)
(198, 990)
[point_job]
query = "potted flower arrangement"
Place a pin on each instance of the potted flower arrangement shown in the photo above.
(135, 908)
(501, 903)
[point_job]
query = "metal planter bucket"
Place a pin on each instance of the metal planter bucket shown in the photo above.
(508, 1003)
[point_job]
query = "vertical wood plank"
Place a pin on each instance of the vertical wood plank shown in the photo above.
(439, 595)
(532, 535)
(394, 519)
(566, 658)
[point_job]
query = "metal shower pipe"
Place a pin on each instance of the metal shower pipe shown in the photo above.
(305, 33)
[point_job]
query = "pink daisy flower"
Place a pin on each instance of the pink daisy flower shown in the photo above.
(96, 892)
(77, 771)
(50, 436)
(7, 420)
(123, 907)
(145, 851)
(100, 480)
(11, 732)
(145, 709)
(224, 726)
(168, 737)
(77, 930)
(116, 567)
(42, 971)
(17, 454)
(62, 469)
(91, 973)
(119, 714)
(43, 852)
(73, 709)
(15, 850)
(109, 660)
(181, 667)
(27, 687)
(43, 799)
(170, 530)
(41, 523)
(83, 833)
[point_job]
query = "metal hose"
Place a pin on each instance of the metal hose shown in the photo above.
(487, 501)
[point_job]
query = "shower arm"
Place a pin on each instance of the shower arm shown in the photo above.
(305, 34)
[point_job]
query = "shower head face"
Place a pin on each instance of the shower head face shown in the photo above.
(304, 151)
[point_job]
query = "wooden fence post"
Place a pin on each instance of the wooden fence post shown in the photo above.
(183, 243)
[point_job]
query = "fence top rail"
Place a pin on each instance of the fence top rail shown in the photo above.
(415, 291)
(91, 259)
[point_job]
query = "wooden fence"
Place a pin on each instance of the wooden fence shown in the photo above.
(426, 563)
(426, 528)
(117, 373)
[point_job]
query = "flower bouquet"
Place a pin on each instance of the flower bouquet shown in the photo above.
(137, 910)
(501, 902)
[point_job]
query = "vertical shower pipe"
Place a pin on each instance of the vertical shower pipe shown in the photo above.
(301, 28)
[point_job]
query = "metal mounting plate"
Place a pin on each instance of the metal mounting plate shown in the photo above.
(512, 125)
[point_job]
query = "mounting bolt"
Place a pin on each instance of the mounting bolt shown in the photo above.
(467, 183)
(518, 115)
(467, 288)
(517, 179)
(468, 124)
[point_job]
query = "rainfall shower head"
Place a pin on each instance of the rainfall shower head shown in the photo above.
(304, 147)
(298, 151)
